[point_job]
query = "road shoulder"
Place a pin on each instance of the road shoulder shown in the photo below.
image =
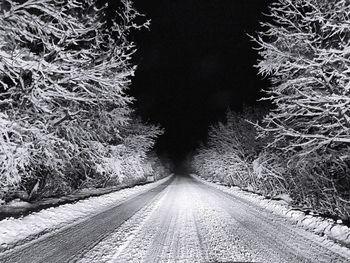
(337, 233)
(15, 232)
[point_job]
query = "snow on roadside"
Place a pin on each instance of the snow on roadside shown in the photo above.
(321, 226)
(21, 230)
(113, 245)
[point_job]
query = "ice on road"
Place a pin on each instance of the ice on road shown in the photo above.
(188, 221)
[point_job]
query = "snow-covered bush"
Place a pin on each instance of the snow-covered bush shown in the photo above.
(233, 155)
(326, 193)
(230, 150)
(14, 157)
(270, 171)
(303, 144)
(125, 162)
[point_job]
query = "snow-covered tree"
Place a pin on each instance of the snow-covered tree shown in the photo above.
(305, 50)
(63, 77)
(127, 160)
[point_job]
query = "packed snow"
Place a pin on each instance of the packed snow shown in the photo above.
(14, 232)
(191, 222)
(183, 221)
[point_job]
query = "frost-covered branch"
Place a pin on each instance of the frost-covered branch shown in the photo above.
(64, 73)
(305, 51)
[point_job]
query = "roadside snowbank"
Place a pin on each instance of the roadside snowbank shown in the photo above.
(18, 231)
(18, 208)
(321, 226)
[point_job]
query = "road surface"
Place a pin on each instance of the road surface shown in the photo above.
(182, 220)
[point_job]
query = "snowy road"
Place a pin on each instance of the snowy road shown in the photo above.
(185, 221)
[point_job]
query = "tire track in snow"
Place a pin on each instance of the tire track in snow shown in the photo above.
(219, 243)
(197, 223)
(186, 222)
(112, 246)
(185, 245)
(169, 234)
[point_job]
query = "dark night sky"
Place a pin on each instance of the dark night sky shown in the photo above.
(195, 62)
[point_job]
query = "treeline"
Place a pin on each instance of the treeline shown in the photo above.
(66, 121)
(302, 146)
